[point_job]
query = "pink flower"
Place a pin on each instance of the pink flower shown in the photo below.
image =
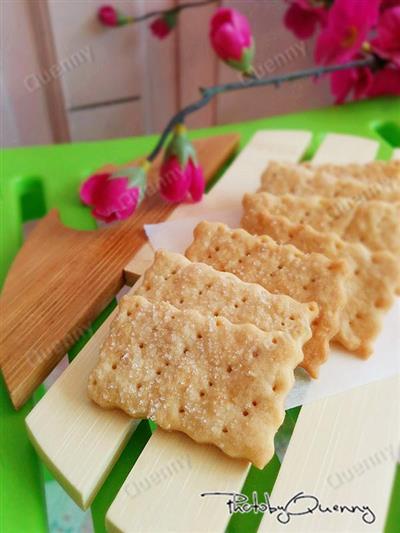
(109, 16)
(347, 27)
(302, 18)
(387, 43)
(162, 26)
(386, 81)
(387, 4)
(178, 182)
(355, 80)
(180, 175)
(115, 196)
(231, 38)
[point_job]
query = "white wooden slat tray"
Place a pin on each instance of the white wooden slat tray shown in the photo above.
(81, 442)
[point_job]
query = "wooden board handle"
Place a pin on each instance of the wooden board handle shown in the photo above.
(62, 279)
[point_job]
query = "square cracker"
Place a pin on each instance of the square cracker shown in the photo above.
(374, 223)
(178, 281)
(385, 173)
(375, 171)
(284, 179)
(281, 269)
(371, 285)
(218, 382)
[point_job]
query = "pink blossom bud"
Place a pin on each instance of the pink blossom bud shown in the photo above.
(114, 196)
(109, 16)
(162, 26)
(231, 38)
(181, 176)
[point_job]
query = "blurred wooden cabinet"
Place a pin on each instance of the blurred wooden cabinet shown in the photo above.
(91, 82)
(111, 90)
(66, 77)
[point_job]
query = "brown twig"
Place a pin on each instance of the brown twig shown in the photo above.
(210, 92)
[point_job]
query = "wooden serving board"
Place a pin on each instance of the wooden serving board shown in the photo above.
(62, 279)
(80, 442)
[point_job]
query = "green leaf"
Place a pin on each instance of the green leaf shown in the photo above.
(137, 177)
(171, 18)
(182, 148)
(245, 62)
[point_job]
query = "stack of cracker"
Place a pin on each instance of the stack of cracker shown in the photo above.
(348, 212)
(208, 343)
(200, 351)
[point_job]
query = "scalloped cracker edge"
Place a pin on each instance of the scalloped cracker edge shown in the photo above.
(178, 281)
(374, 223)
(281, 269)
(370, 287)
(302, 181)
(374, 171)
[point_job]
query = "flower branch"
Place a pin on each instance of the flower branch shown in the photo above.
(175, 10)
(165, 20)
(208, 93)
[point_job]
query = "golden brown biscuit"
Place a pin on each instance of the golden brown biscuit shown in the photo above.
(384, 173)
(217, 382)
(371, 285)
(281, 269)
(289, 179)
(178, 281)
(374, 223)
(375, 171)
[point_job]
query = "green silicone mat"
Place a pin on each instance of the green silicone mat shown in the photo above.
(34, 180)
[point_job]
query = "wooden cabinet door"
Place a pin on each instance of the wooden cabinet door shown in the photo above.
(116, 81)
